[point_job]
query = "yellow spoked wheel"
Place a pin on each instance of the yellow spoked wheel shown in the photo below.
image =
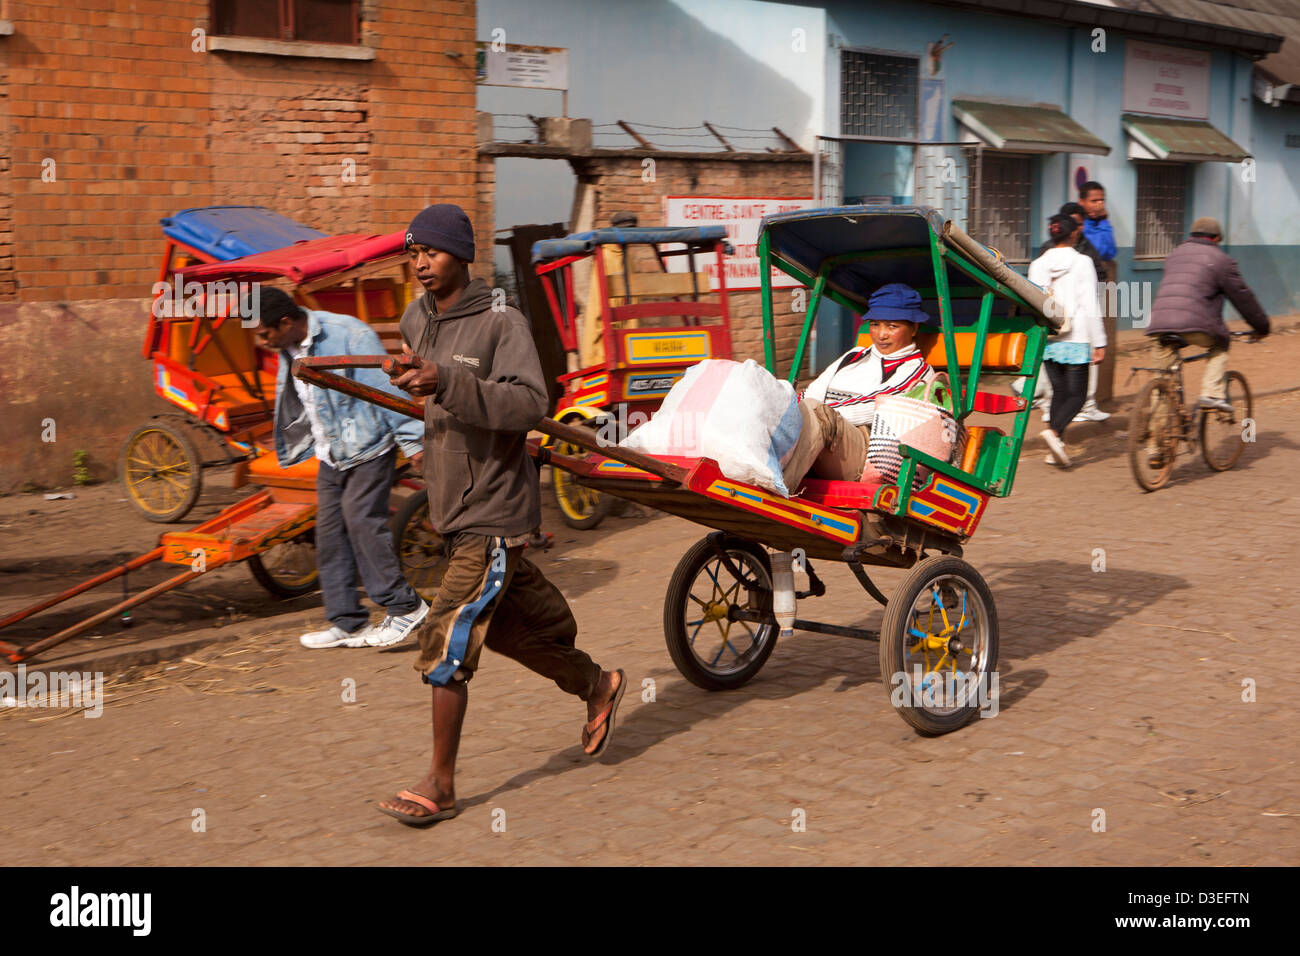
(711, 648)
(581, 508)
(288, 569)
(421, 551)
(161, 470)
(939, 646)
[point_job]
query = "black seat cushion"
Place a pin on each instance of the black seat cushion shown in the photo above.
(1172, 340)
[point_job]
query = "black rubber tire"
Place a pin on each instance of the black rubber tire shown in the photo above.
(750, 559)
(282, 587)
(190, 465)
(1150, 478)
(895, 637)
(1234, 385)
(421, 551)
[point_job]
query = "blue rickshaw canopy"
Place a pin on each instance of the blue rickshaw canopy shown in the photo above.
(581, 243)
(231, 232)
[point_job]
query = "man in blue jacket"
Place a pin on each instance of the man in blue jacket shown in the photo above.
(356, 443)
(1097, 230)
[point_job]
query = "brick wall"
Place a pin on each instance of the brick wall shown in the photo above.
(8, 285)
(620, 185)
(485, 221)
(140, 125)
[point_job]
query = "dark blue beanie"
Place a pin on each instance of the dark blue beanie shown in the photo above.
(444, 227)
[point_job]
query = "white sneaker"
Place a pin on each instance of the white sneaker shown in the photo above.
(1218, 404)
(1091, 413)
(335, 636)
(1057, 446)
(393, 630)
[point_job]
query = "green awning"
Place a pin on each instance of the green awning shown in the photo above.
(1180, 141)
(1026, 129)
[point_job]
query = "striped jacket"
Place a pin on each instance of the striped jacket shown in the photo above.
(857, 378)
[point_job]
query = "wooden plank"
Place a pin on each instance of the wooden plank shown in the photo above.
(657, 284)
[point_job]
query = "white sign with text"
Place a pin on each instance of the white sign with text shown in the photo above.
(1166, 80)
(741, 215)
(533, 67)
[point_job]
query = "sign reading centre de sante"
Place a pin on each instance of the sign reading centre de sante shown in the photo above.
(741, 215)
(1166, 80)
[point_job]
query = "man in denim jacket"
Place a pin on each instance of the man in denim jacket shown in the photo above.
(356, 443)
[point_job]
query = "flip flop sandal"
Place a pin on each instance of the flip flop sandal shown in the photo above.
(606, 716)
(435, 813)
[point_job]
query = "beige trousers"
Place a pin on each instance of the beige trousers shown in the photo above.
(1212, 385)
(829, 446)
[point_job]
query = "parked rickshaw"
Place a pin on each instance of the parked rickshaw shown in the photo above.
(207, 364)
(940, 629)
(653, 325)
(160, 464)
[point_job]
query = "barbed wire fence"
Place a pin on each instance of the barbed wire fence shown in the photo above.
(524, 128)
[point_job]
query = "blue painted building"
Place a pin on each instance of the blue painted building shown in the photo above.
(996, 115)
(989, 109)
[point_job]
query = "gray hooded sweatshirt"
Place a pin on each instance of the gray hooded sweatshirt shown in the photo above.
(490, 392)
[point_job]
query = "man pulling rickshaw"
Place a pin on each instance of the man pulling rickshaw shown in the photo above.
(479, 372)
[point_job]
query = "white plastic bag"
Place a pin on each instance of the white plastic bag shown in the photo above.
(739, 415)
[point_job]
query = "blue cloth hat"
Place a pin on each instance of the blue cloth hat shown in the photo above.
(443, 227)
(895, 302)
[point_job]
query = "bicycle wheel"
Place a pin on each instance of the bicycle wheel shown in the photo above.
(1153, 435)
(1223, 434)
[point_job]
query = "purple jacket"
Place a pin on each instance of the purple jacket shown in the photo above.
(1198, 274)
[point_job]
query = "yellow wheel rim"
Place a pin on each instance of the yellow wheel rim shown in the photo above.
(574, 500)
(158, 473)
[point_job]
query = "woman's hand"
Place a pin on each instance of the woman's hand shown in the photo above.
(1098, 354)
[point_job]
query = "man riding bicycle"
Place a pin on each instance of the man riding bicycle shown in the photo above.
(1198, 274)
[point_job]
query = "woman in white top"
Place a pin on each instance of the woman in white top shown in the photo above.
(1071, 278)
(838, 408)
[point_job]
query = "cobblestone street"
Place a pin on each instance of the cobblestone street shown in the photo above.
(1121, 692)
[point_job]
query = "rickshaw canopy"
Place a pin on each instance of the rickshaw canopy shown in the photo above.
(230, 232)
(582, 243)
(862, 248)
(305, 261)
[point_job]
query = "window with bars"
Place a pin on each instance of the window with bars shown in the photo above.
(878, 95)
(1005, 184)
(309, 21)
(1161, 208)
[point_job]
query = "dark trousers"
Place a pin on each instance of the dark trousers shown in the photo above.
(352, 534)
(493, 596)
(1069, 392)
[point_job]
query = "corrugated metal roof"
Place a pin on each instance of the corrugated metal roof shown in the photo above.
(1140, 18)
(1262, 16)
